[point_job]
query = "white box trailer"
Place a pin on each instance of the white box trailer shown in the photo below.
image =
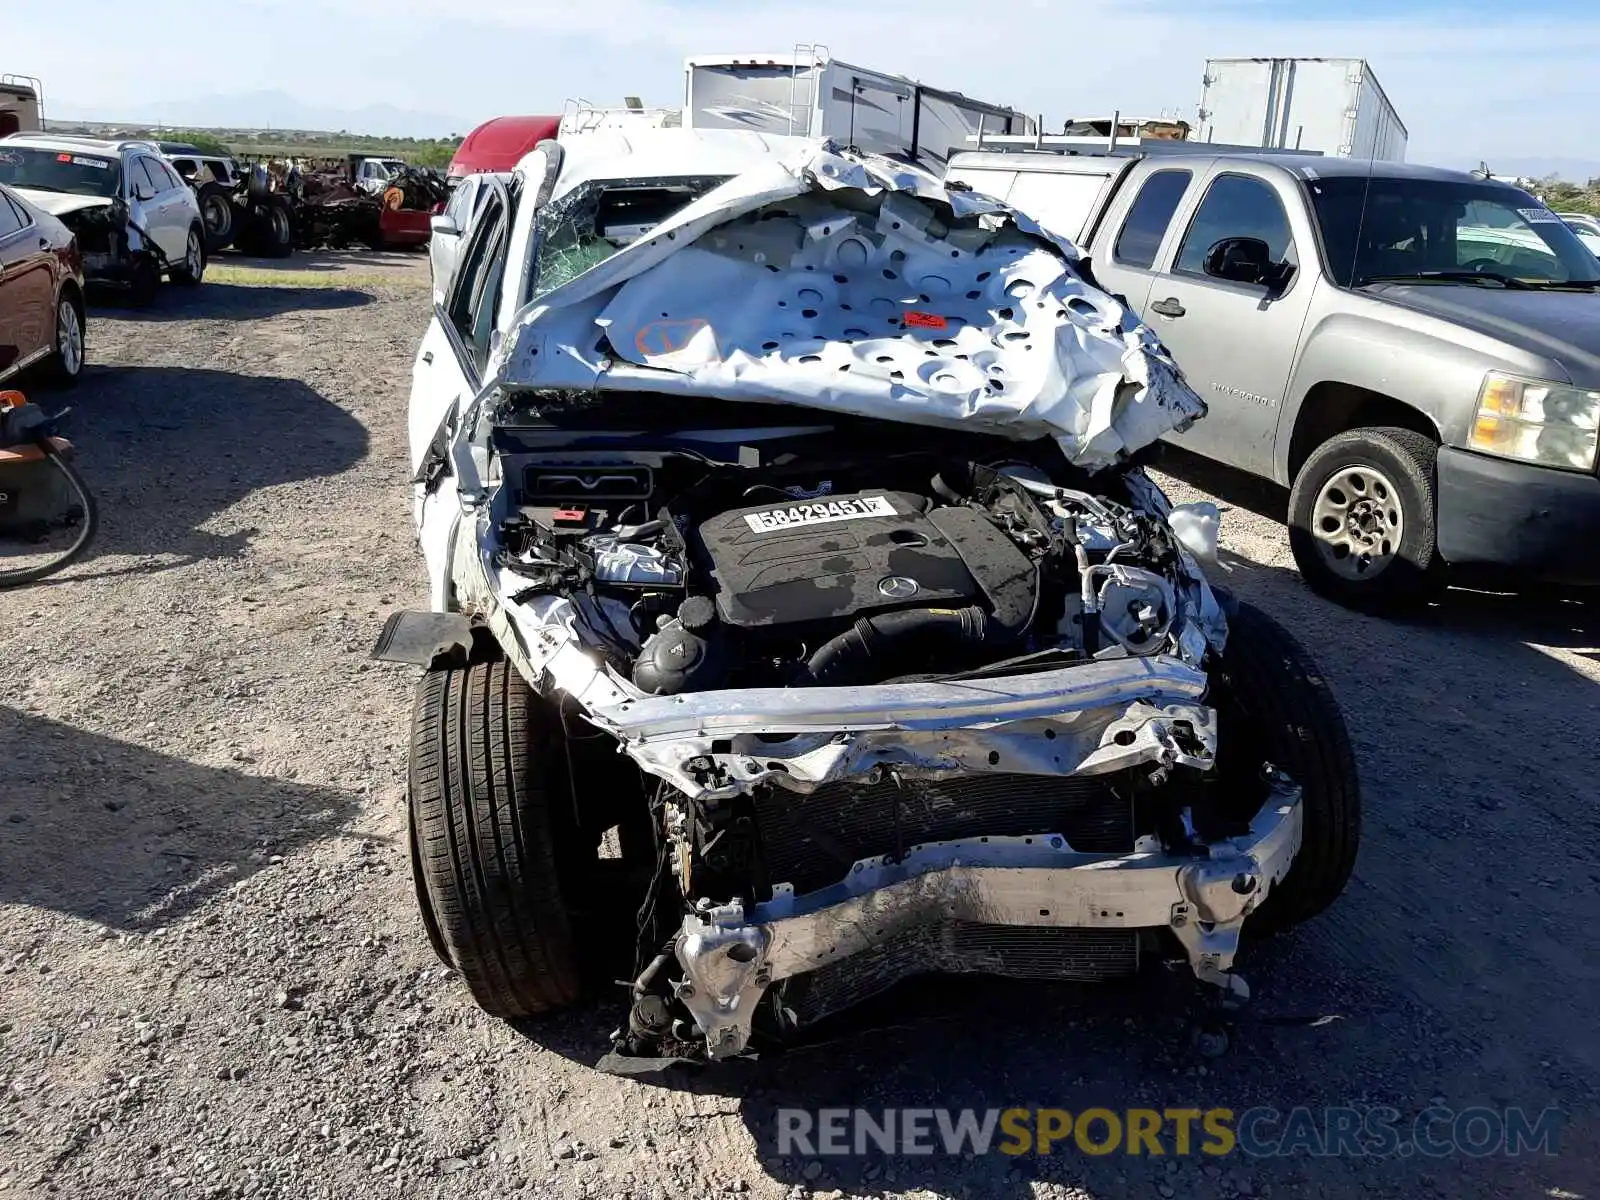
(811, 94)
(1334, 105)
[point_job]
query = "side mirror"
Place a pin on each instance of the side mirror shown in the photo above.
(142, 193)
(445, 225)
(1246, 260)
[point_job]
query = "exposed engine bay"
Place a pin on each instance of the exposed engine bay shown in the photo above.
(691, 577)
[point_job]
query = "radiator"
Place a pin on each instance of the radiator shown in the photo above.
(812, 841)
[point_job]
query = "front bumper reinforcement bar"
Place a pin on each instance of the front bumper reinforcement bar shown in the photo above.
(730, 955)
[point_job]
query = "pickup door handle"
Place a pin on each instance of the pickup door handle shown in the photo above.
(1168, 307)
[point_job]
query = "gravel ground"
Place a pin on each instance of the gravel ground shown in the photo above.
(213, 982)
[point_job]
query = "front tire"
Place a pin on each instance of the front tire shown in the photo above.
(1362, 521)
(144, 281)
(497, 854)
(1275, 706)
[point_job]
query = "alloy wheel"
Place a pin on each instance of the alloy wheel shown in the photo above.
(69, 337)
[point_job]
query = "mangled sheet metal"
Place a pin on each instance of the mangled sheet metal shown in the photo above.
(853, 284)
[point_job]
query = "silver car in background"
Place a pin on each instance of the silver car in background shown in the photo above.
(135, 218)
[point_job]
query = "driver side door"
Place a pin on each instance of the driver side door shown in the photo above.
(1235, 342)
(445, 379)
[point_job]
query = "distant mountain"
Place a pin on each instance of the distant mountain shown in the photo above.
(275, 110)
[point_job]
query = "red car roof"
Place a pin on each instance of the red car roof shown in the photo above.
(499, 144)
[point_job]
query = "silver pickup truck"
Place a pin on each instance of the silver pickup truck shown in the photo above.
(1414, 352)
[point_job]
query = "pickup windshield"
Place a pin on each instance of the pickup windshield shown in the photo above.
(59, 171)
(1445, 232)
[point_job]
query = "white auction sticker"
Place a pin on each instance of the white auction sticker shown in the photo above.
(820, 512)
(1539, 216)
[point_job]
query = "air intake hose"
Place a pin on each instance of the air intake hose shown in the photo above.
(890, 643)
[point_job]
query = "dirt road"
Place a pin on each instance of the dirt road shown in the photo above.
(213, 982)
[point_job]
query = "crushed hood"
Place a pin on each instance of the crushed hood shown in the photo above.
(59, 204)
(850, 283)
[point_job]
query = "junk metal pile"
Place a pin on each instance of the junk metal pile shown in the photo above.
(271, 207)
(329, 209)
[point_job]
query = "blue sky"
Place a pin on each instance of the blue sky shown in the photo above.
(1471, 79)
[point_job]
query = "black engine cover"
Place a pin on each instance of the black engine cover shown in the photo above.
(821, 560)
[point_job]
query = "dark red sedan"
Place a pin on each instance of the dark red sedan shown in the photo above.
(41, 292)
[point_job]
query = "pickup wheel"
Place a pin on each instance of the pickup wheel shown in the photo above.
(1275, 706)
(497, 856)
(1362, 521)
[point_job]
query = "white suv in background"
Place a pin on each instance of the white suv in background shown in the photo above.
(134, 216)
(1586, 227)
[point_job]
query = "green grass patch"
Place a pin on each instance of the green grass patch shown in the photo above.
(267, 277)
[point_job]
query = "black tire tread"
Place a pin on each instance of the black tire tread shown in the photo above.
(1405, 585)
(145, 284)
(488, 798)
(1275, 678)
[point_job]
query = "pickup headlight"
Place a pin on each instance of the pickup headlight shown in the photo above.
(1536, 421)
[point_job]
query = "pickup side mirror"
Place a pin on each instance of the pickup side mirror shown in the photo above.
(1246, 260)
(445, 225)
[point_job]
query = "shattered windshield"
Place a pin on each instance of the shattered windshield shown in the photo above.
(1447, 231)
(59, 171)
(592, 222)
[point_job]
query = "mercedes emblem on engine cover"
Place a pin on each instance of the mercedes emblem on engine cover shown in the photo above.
(898, 587)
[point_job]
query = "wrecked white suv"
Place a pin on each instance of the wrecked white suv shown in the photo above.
(802, 621)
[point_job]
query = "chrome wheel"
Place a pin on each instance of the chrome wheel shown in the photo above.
(69, 338)
(1358, 522)
(193, 263)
